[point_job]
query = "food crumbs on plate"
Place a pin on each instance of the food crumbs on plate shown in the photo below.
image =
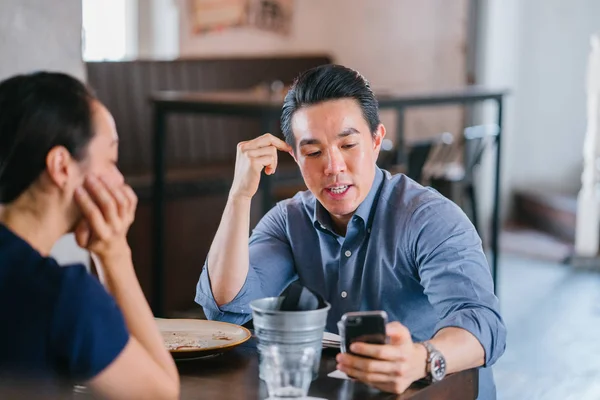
(183, 340)
(220, 336)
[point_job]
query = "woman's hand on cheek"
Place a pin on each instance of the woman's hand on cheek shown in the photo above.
(83, 233)
(108, 211)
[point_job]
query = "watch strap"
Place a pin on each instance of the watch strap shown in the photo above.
(430, 350)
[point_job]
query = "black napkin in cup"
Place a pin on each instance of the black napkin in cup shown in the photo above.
(297, 297)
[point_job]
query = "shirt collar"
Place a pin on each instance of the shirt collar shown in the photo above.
(322, 219)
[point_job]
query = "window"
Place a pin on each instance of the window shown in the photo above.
(108, 29)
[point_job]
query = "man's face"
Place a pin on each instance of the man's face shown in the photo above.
(336, 153)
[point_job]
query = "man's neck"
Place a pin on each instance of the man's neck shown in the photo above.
(340, 224)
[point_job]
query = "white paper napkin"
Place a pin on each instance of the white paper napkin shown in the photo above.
(338, 374)
(331, 337)
(331, 340)
(298, 398)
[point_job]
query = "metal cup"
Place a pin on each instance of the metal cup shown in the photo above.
(290, 331)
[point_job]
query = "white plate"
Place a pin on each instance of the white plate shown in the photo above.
(216, 337)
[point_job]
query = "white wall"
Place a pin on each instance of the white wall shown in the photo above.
(539, 49)
(35, 35)
(550, 121)
(157, 28)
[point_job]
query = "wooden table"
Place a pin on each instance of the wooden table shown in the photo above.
(267, 109)
(234, 375)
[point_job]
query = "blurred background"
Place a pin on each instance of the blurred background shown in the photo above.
(533, 57)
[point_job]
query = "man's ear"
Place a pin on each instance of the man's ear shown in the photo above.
(378, 138)
(59, 165)
(293, 154)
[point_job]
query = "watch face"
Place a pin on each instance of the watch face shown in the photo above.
(438, 367)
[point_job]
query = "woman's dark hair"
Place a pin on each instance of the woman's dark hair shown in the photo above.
(328, 82)
(38, 112)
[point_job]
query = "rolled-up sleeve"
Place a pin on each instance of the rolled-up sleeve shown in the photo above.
(271, 270)
(455, 275)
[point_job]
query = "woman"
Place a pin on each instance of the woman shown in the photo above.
(58, 174)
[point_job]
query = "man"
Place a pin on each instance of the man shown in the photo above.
(363, 239)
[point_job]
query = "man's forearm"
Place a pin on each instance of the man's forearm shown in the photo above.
(460, 348)
(228, 258)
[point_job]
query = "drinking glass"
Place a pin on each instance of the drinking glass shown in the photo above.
(287, 373)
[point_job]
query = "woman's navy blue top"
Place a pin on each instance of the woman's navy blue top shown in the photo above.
(57, 323)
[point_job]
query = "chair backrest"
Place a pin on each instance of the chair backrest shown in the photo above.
(439, 157)
(476, 140)
(426, 157)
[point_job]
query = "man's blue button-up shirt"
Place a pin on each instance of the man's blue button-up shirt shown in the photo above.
(408, 250)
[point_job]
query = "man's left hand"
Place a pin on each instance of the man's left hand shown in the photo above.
(389, 367)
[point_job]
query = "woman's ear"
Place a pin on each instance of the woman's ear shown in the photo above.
(60, 166)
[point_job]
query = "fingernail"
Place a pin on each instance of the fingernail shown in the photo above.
(354, 347)
(79, 191)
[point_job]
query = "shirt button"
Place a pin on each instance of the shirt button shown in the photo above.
(348, 253)
(368, 230)
(344, 295)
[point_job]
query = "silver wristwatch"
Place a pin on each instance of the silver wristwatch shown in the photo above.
(436, 363)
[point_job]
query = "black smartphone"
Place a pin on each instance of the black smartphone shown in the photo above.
(362, 326)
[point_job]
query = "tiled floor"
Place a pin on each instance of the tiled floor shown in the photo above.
(553, 318)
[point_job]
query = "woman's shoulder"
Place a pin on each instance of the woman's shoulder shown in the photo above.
(28, 278)
(21, 262)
